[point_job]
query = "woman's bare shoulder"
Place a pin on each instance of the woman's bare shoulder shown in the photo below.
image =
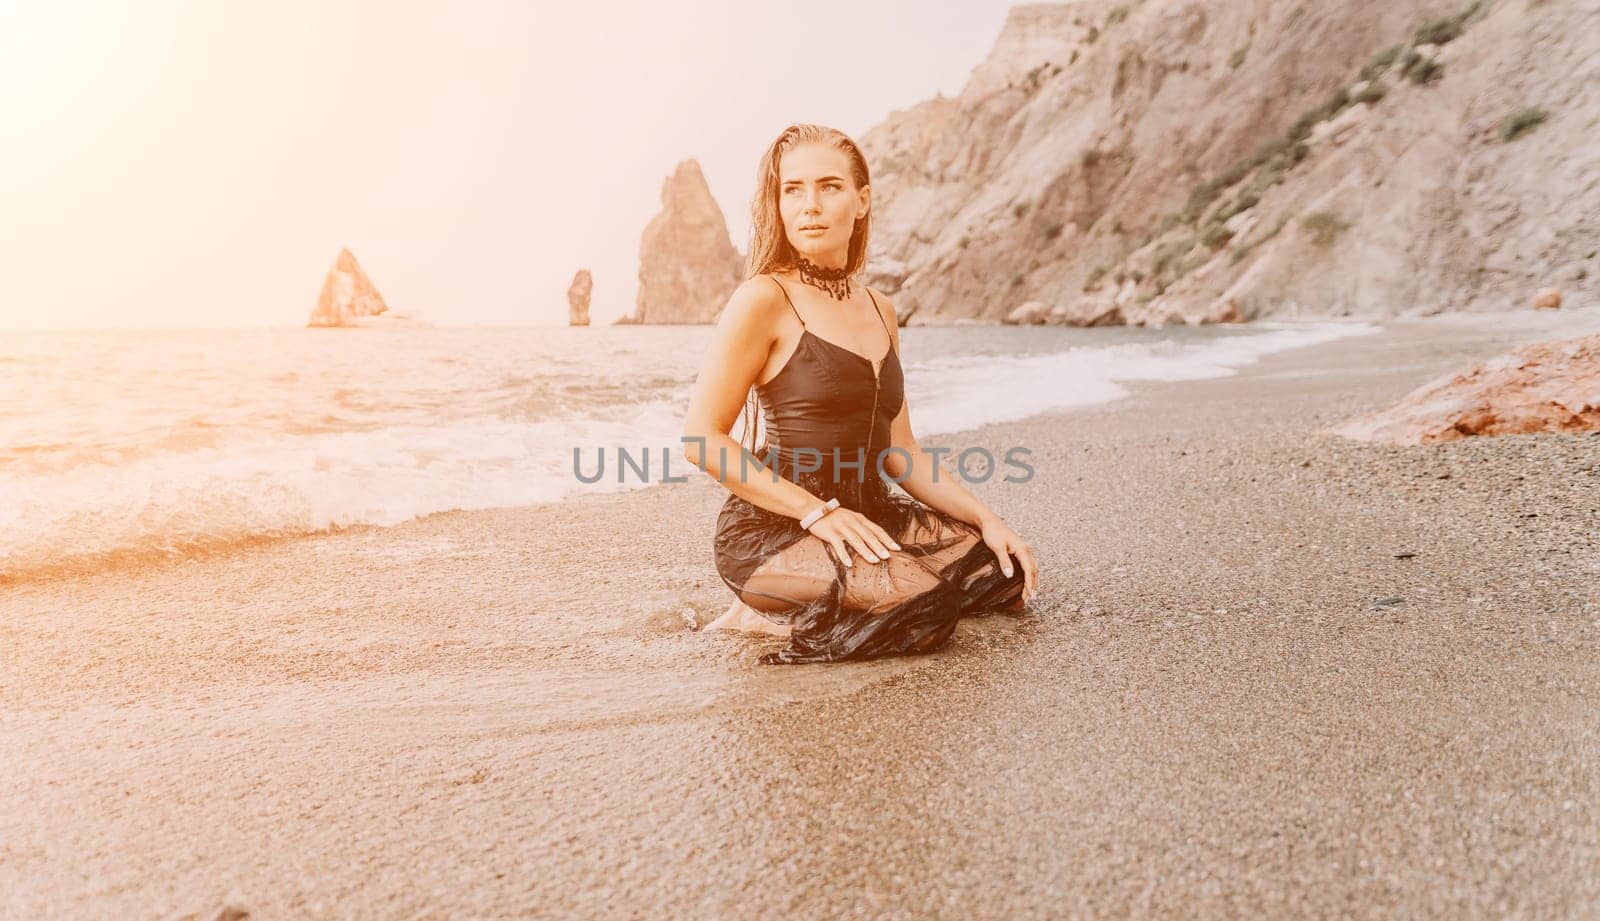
(754, 305)
(763, 285)
(754, 310)
(885, 304)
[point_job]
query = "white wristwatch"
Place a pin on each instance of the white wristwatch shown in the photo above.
(823, 509)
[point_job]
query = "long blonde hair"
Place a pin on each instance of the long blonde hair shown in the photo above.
(770, 250)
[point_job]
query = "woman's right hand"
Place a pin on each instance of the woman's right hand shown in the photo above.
(845, 527)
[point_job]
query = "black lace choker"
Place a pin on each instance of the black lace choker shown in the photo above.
(836, 282)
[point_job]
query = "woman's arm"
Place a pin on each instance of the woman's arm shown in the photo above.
(926, 481)
(740, 344)
(941, 489)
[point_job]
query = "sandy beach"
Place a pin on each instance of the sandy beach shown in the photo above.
(1269, 672)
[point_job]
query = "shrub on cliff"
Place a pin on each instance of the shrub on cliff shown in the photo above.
(1438, 31)
(1215, 234)
(1324, 227)
(1380, 62)
(1521, 122)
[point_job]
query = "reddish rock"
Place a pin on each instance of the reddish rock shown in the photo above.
(578, 298)
(1548, 299)
(687, 265)
(1096, 310)
(1540, 387)
(1031, 313)
(348, 295)
(1226, 310)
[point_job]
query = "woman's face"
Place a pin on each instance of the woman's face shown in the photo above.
(815, 191)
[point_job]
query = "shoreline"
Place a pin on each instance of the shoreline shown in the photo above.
(1213, 707)
(48, 551)
(76, 537)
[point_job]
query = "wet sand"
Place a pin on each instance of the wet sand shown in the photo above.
(1268, 672)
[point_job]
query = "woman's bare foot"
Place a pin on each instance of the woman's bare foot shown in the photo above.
(741, 616)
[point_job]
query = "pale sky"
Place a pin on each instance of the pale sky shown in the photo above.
(201, 163)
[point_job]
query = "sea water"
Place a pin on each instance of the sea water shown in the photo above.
(117, 443)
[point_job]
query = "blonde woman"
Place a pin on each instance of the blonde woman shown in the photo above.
(818, 542)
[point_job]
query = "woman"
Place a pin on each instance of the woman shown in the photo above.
(824, 547)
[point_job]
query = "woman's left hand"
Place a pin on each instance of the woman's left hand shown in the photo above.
(1005, 543)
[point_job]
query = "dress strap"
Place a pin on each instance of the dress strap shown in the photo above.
(879, 311)
(785, 291)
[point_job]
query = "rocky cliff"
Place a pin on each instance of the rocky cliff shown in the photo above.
(578, 298)
(687, 266)
(348, 295)
(1178, 160)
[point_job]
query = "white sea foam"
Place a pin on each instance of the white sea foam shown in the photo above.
(266, 471)
(960, 394)
(287, 485)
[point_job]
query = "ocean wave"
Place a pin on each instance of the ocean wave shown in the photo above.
(170, 504)
(269, 485)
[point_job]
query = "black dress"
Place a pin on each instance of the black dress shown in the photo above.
(828, 398)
